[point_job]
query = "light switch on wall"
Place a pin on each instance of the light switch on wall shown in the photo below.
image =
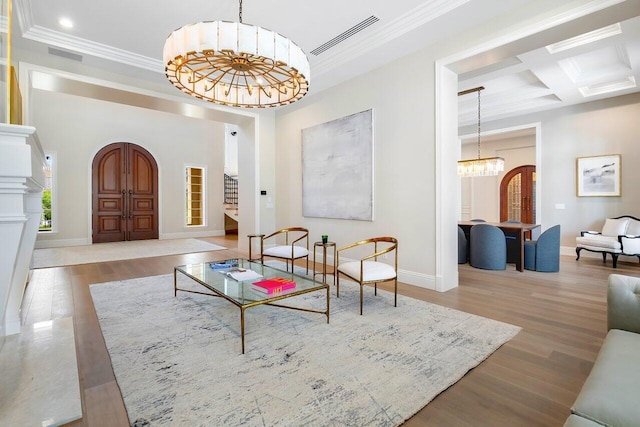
(559, 205)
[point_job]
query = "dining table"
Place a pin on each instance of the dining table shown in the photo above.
(519, 230)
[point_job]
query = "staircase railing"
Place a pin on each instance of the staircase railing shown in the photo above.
(230, 190)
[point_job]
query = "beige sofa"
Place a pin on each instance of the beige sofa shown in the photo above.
(619, 236)
(609, 396)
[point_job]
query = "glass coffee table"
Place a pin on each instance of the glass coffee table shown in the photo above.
(218, 277)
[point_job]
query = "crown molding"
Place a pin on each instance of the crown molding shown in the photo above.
(77, 44)
(23, 12)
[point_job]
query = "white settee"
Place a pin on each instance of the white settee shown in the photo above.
(619, 236)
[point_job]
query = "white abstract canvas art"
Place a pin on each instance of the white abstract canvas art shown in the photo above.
(337, 168)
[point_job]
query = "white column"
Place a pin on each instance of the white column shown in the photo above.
(21, 184)
(447, 186)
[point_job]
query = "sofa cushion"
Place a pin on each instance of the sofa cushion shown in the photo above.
(623, 303)
(285, 252)
(615, 227)
(576, 421)
(610, 394)
(598, 242)
(633, 228)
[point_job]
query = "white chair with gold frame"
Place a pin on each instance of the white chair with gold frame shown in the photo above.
(292, 249)
(368, 270)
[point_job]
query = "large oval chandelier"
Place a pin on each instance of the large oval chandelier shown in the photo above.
(236, 64)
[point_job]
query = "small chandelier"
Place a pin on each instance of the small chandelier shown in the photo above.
(488, 166)
(236, 64)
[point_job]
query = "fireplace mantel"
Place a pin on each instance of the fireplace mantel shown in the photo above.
(21, 183)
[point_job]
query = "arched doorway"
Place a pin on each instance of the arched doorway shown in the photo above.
(124, 194)
(517, 195)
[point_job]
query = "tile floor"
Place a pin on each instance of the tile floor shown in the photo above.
(38, 367)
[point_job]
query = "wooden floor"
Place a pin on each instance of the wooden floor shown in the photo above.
(530, 381)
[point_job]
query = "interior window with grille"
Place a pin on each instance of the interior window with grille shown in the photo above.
(195, 195)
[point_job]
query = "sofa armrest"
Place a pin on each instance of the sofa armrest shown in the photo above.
(623, 303)
(595, 233)
(630, 244)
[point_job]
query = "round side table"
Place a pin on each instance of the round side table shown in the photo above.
(324, 247)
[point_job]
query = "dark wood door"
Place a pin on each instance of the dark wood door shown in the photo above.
(125, 194)
(517, 195)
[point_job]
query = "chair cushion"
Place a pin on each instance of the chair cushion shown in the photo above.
(285, 252)
(598, 243)
(615, 227)
(373, 270)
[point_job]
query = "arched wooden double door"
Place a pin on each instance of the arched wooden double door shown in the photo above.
(517, 195)
(124, 194)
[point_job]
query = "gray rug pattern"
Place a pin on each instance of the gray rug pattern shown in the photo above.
(115, 251)
(178, 360)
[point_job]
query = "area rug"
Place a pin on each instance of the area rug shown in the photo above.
(116, 251)
(178, 360)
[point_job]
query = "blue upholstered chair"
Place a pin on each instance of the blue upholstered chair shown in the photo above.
(488, 247)
(462, 246)
(543, 254)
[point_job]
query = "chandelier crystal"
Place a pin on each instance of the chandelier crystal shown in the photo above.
(236, 64)
(488, 166)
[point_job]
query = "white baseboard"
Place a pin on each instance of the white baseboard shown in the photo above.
(421, 280)
(191, 234)
(571, 250)
(44, 244)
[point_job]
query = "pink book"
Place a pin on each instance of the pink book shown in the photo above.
(274, 286)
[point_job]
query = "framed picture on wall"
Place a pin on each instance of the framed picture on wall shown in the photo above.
(598, 176)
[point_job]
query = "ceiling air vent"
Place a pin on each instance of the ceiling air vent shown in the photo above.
(65, 54)
(342, 37)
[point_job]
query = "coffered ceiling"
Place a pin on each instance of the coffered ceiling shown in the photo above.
(598, 64)
(342, 39)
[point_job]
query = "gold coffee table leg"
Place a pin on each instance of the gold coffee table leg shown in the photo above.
(242, 327)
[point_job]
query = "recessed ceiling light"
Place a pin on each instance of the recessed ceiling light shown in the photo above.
(65, 22)
(599, 89)
(582, 39)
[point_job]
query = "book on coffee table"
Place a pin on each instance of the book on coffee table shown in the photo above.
(274, 285)
(241, 274)
(223, 265)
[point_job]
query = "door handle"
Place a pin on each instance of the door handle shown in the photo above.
(124, 205)
(130, 204)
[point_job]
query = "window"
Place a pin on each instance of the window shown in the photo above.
(46, 220)
(195, 195)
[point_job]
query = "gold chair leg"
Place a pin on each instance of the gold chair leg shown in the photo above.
(337, 280)
(395, 291)
(361, 286)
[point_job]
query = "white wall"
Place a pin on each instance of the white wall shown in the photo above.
(609, 126)
(77, 127)
(403, 162)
